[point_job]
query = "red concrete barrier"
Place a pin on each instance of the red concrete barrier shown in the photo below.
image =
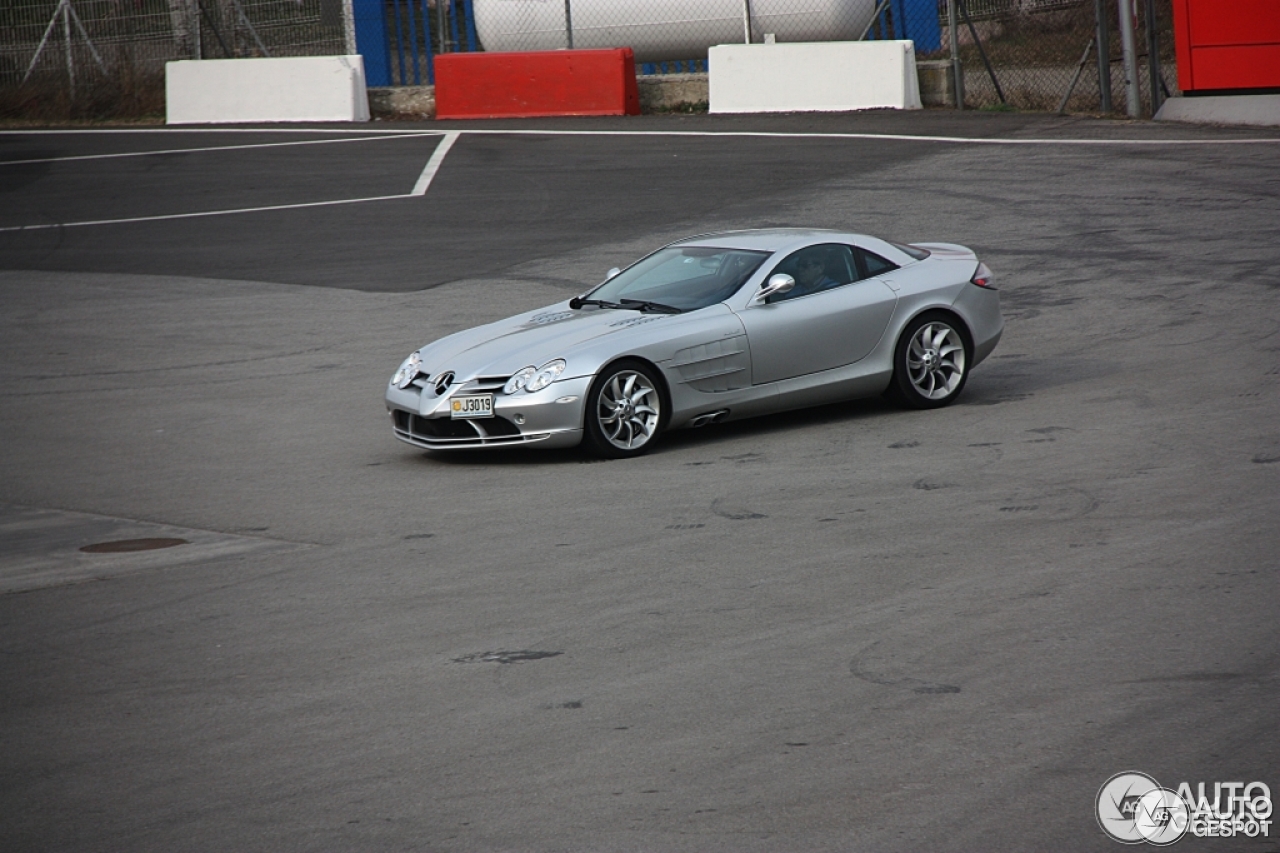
(1227, 46)
(544, 83)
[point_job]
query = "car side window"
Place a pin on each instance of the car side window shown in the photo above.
(817, 268)
(872, 264)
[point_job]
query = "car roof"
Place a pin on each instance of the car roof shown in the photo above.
(766, 239)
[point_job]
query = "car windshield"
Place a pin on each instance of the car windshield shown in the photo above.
(683, 277)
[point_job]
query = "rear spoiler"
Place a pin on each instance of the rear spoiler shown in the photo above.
(949, 251)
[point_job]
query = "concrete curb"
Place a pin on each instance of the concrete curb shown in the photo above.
(1255, 110)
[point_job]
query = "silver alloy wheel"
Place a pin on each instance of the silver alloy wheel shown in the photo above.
(936, 361)
(627, 410)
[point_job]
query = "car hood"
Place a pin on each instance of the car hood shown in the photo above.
(536, 337)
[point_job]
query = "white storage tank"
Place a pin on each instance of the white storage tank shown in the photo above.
(660, 30)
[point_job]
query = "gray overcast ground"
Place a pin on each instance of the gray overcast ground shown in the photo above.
(851, 628)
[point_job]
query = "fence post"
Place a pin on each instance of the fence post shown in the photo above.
(181, 21)
(66, 36)
(1104, 54)
(348, 28)
(977, 42)
(1153, 56)
(568, 24)
(371, 41)
(957, 70)
(1132, 102)
(746, 21)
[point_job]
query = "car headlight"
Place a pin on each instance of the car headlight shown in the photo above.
(408, 371)
(545, 375)
(516, 382)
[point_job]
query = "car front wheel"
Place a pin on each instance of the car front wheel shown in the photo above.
(624, 410)
(931, 362)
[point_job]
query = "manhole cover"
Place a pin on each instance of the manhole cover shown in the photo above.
(121, 546)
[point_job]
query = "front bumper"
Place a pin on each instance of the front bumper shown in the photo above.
(549, 418)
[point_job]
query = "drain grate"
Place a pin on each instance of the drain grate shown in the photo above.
(124, 546)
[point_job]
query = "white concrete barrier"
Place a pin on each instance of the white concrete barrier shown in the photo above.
(813, 76)
(295, 88)
(1262, 110)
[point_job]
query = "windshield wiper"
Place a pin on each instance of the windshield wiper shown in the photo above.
(646, 305)
(577, 302)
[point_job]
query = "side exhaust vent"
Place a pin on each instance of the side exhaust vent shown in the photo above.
(708, 418)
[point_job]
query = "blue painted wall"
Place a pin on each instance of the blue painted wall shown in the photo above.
(371, 40)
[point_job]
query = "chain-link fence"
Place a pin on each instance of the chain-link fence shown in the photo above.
(1042, 54)
(1023, 54)
(92, 57)
(399, 39)
(39, 37)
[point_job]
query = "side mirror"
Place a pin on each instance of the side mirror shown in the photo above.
(777, 283)
(611, 273)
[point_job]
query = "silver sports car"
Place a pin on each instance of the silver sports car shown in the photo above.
(708, 329)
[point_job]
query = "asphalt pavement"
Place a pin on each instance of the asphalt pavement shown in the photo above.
(849, 628)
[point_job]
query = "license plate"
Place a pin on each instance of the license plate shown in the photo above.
(475, 406)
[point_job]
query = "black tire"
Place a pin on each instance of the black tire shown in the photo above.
(931, 361)
(626, 410)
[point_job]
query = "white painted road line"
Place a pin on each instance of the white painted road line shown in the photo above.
(200, 213)
(433, 165)
(954, 140)
(213, 148)
(899, 137)
(450, 137)
(419, 189)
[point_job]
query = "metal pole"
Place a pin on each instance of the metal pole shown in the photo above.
(1084, 59)
(1104, 54)
(957, 71)
(1153, 56)
(43, 41)
(746, 21)
(84, 34)
(197, 30)
(973, 31)
(208, 19)
(244, 19)
(568, 24)
(871, 23)
(66, 35)
(66, 10)
(349, 28)
(415, 60)
(1133, 103)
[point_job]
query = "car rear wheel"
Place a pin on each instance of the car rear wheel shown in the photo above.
(931, 362)
(624, 410)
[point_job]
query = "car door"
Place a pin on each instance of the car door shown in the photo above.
(808, 331)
